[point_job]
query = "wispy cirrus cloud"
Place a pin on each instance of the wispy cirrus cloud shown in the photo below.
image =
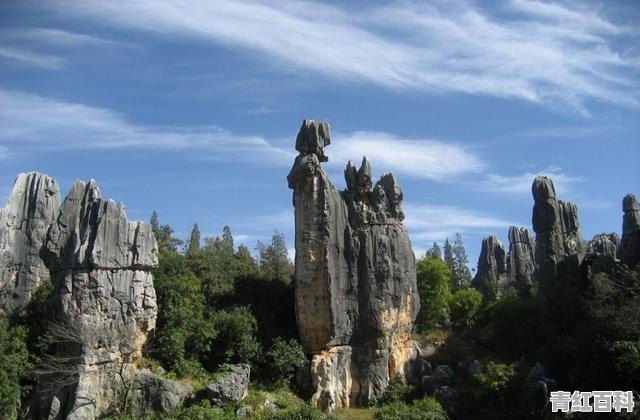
(546, 53)
(54, 124)
(521, 184)
(31, 58)
(53, 36)
(57, 125)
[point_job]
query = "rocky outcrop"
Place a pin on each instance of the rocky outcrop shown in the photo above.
(153, 392)
(521, 261)
(356, 294)
(630, 244)
(491, 276)
(602, 253)
(104, 303)
(231, 386)
(33, 205)
(559, 247)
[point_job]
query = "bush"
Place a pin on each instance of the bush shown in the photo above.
(518, 324)
(464, 307)
(397, 391)
(433, 288)
(425, 409)
(283, 358)
(235, 337)
(304, 412)
(204, 411)
(14, 363)
(494, 380)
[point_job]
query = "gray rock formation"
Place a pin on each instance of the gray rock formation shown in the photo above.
(356, 294)
(537, 388)
(230, 386)
(559, 245)
(603, 252)
(630, 244)
(154, 392)
(491, 277)
(104, 303)
(521, 261)
(32, 207)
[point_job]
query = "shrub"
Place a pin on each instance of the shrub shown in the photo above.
(283, 358)
(425, 409)
(204, 411)
(464, 307)
(397, 391)
(303, 412)
(495, 379)
(235, 337)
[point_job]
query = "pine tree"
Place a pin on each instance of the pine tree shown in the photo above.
(274, 259)
(434, 252)
(194, 240)
(448, 254)
(461, 273)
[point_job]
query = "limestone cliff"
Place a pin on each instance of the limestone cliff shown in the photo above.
(559, 248)
(630, 244)
(32, 206)
(521, 262)
(356, 294)
(104, 303)
(491, 276)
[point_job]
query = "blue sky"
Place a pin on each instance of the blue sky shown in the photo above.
(191, 108)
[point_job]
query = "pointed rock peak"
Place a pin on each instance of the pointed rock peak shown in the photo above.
(543, 188)
(364, 174)
(313, 137)
(518, 235)
(630, 203)
(391, 187)
(351, 176)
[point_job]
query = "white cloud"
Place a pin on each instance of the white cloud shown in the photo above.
(31, 58)
(419, 158)
(521, 184)
(51, 36)
(439, 219)
(545, 53)
(50, 124)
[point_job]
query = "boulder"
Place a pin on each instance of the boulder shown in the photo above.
(32, 206)
(491, 276)
(521, 261)
(537, 387)
(630, 243)
(231, 385)
(154, 392)
(355, 278)
(104, 302)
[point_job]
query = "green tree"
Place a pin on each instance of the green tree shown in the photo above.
(194, 240)
(245, 265)
(465, 308)
(283, 358)
(461, 273)
(448, 256)
(433, 287)
(164, 234)
(274, 259)
(235, 337)
(434, 252)
(14, 364)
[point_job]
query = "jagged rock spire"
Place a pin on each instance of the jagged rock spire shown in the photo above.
(630, 244)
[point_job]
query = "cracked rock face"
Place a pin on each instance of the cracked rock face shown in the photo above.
(491, 276)
(521, 262)
(559, 247)
(103, 297)
(33, 205)
(630, 244)
(356, 294)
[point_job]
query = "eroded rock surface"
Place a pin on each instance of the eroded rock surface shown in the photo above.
(630, 244)
(104, 302)
(356, 294)
(491, 276)
(32, 206)
(521, 261)
(559, 247)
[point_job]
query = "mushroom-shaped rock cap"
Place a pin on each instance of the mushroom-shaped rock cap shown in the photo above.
(543, 189)
(630, 203)
(313, 137)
